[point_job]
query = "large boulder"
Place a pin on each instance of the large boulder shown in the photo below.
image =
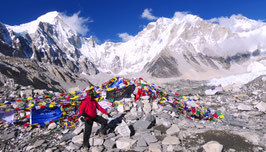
(97, 141)
(78, 139)
(261, 106)
(109, 143)
(52, 126)
(142, 125)
(155, 147)
(124, 143)
(147, 108)
(123, 129)
(213, 146)
(170, 140)
(78, 130)
(172, 130)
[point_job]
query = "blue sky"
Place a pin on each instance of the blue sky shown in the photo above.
(111, 17)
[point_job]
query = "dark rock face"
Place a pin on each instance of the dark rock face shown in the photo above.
(117, 64)
(5, 49)
(164, 67)
(39, 75)
(259, 82)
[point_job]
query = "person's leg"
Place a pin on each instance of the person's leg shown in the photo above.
(87, 133)
(103, 123)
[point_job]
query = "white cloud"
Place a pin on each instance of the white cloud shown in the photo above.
(237, 23)
(125, 36)
(77, 23)
(248, 36)
(180, 15)
(147, 14)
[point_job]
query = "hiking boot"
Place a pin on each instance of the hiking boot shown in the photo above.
(101, 134)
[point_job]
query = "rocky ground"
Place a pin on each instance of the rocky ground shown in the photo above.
(144, 126)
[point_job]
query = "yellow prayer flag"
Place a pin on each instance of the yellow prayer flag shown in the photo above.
(29, 98)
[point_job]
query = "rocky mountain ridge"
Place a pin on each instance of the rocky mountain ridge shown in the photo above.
(28, 72)
(190, 41)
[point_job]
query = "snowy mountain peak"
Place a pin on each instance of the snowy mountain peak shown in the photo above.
(32, 26)
(49, 17)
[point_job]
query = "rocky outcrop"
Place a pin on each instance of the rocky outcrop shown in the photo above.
(163, 66)
(39, 75)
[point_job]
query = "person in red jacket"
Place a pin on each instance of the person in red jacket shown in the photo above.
(88, 109)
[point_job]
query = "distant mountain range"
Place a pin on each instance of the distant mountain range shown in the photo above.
(183, 46)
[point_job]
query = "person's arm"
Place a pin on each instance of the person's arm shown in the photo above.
(100, 108)
(82, 107)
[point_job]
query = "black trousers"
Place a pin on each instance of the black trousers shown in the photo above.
(88, 127)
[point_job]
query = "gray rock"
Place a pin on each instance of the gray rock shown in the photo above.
(29, 148)
(131, 117)
(141, 142)
(94, 129)
(161, 121)
(123, 129)
(96, 149)
(140, 104)
(120, 108)
(157, 132)
(7, 136)
(39, 92)
(173, 130)
(27, 93)
(150, 118)
(124, 143)
(78, 130)
(165, 116)
(150, 138)
(229, 119)
(170, 140)
(49, 150)
(78, 139)
(38, 143)
(109, 144)
(142, 125)
(261, 106)
(72, 147)
(155, 147)
(52, 126)
(97, 141)
(168, 108)
(67, 137)
(140, 149)
(110, 135)
(155, 106)
(147, 108)
(65, 131)
(244, 107)
(212, 146)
